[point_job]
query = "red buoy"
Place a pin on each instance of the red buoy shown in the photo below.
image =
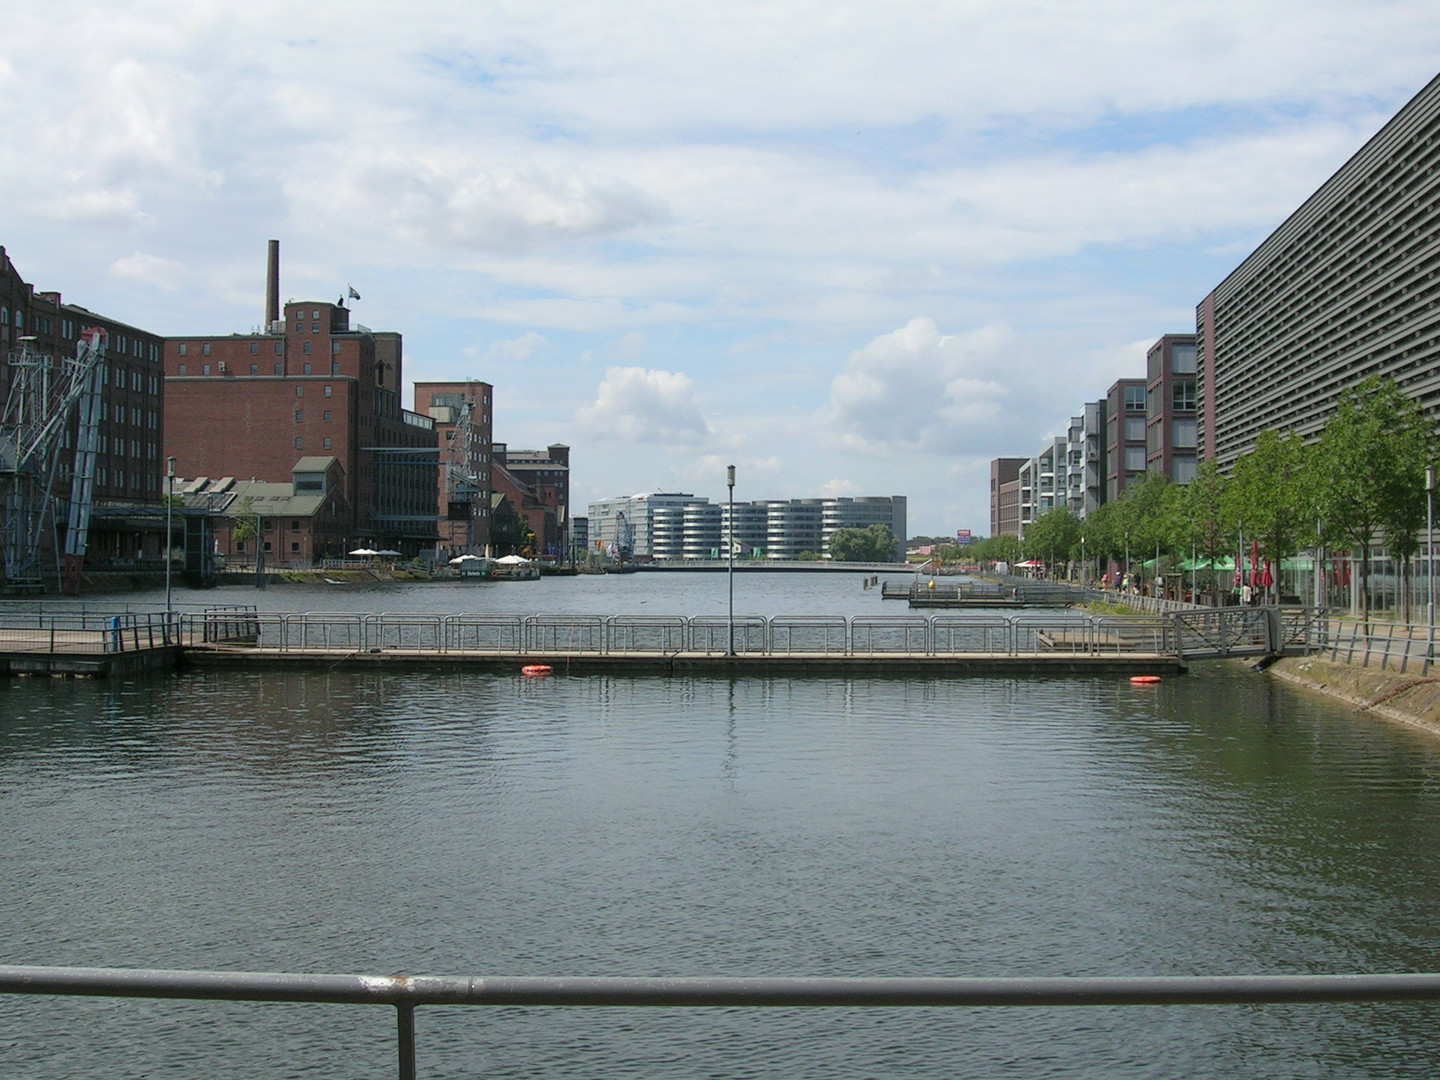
(536, 671)
(1144, 679)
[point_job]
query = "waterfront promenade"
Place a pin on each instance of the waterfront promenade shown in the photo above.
(969, 643)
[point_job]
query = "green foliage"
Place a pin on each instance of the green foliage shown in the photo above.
(1268, 496)
(994, 549)
(1052, 537)
(874, 543)
(1369, 470)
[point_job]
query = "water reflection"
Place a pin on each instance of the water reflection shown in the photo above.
(599, 825)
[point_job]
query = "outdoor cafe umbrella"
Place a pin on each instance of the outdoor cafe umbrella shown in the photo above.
(465, 558)
(388, 552)
(364, 552)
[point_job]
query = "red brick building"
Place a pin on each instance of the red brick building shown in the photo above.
(295, 524)
(463, 413)
(310, 383)
(537, 483)
(127, 520)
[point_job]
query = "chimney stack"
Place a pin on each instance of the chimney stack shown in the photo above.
(272, 286)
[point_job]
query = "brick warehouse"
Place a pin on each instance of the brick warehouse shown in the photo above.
(463, 413)
(127, 521)
(309, 383)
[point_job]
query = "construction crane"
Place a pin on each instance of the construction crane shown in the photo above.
(44, 396)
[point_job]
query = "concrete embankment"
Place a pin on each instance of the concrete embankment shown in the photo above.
(1408, 699)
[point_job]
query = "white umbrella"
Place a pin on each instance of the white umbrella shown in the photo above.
(466, 558)
(364, 551)
(388, 551)
(513, 560)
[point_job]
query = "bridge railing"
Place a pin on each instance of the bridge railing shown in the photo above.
(941, 634)
(86, 633)
(407, 993)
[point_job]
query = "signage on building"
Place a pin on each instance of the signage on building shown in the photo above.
(962, 536)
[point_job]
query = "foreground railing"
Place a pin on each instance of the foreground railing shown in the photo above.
(406, 993)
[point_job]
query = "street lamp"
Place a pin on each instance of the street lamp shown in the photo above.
(1430, 561)
(169, 537)
(730, 549)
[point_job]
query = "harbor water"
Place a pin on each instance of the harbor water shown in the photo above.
(458, 824)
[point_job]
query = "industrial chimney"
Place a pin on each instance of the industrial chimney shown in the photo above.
(272, 286)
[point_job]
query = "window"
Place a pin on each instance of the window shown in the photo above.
(1134, 429)
(299, 443)
(314, 327)
(305, 368)
(204, 369)
(181, 348)
(1183, 434)
(294, 525)
(334, 348)
(254, 348)
(1134, 458)
(325, 416)
(1183, 396)
(327, 390)
(325, 442)
(182, 369)
(299, 416)
(295, 547)
(277, 351)
(1182, 359)
(305, 348)
(299, 391)
(334, 367)
(1134, 399)
(1183, 469)
(277, 369)
(205, 349)
(254, 369)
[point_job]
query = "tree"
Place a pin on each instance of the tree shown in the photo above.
(1052, 536)
(874, 543)
(995, 549)
(1204, 523)
(1267, 496)
(1369, 470)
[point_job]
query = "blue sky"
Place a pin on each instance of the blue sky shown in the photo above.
(851, 248)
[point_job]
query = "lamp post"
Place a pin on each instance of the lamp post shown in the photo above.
(730, 549)
(1430, 562)
(169, 537)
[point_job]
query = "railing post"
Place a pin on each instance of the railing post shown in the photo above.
(405, 1039)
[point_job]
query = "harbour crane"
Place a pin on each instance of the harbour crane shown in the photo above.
(45, 393)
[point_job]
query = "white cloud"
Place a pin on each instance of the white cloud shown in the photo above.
(146, 269)
(448, 198)
(916, 389)
(635, 405)
(518, 350)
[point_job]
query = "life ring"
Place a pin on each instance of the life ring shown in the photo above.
(1144, 679)
(536, 671)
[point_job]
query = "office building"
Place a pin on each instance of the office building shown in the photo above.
(1347, 287)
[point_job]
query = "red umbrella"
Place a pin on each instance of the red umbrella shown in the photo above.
(1266, 580)
(1255, 563)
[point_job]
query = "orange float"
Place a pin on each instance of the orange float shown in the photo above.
(536, 671)
(1141, 680)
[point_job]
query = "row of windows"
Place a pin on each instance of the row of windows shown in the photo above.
(300, 442)
(183, 348)
(305, 369)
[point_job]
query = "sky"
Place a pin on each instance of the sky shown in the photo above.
(850, 248)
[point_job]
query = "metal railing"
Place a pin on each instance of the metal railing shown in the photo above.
(1401, 647)
(86, 633)
(406, 993)
(915, 635)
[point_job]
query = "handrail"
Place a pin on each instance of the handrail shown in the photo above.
(405, 993)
